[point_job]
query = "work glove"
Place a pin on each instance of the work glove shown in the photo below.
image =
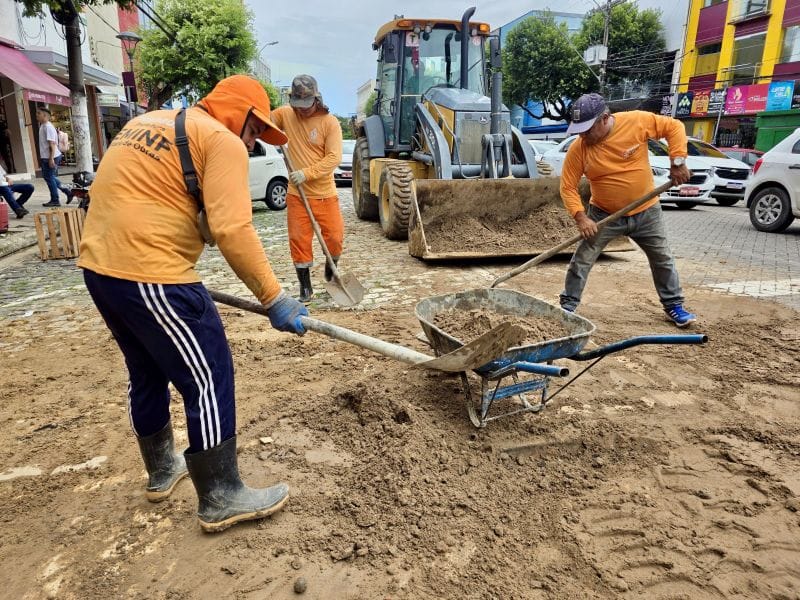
(284, 313)
(297, 177)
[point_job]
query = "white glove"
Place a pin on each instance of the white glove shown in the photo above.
(297, 177)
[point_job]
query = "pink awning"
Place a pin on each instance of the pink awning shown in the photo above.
(38, 85)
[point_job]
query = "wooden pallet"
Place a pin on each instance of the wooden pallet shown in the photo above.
(58, 232)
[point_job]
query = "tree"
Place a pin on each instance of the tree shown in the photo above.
(635, 41)
(273, 93)
(347, 127)
(369, 106)
(540, 63)
(66, 13)
(207, 41)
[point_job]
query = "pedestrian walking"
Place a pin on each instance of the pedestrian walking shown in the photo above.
(315, 150)
(170, 179)
(612, 152)
(50, 157)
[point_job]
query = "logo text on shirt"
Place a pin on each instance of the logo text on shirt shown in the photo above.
(630, 151)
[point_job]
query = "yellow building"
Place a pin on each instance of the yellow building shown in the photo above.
(743, 57)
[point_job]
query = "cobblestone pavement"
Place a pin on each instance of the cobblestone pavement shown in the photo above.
(715, 247)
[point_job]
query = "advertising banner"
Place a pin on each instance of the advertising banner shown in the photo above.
(700, 104)
(716, 101)
(684, 107)
(780, 95)
(734, 101)
(756, 97)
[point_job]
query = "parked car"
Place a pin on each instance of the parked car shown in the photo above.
(269, 180)
(728, 174)
(696, 191)
(344, 172)
(773, 192)
(539, 147)
(747, 155)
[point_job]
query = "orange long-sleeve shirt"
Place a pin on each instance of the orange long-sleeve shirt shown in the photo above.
(142, 222)
(315, 147)
(618, 168)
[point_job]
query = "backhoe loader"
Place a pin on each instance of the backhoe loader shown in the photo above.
(439, 162)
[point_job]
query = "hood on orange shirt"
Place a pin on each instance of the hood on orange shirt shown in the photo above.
(235, 98)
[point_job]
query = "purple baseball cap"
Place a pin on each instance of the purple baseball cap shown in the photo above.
(584, 112)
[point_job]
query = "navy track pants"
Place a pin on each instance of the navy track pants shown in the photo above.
(170, 333)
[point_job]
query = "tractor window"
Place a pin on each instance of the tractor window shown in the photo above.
(387, 84)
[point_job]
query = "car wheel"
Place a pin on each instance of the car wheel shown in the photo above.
(771, 211)
(727, 201)
(686, 205)
(276, 194)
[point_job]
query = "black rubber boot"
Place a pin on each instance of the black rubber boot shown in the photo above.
(304, 277)
(328, 270)
(164, 467)
(224, 499)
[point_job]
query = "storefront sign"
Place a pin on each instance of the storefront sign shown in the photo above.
(46, 98)
(756, 100)
(700, 104)
(716, 101)
(796, 95)
(666, 105)
(734, 101)
(684, 107)
(107, 100)
(780, 95)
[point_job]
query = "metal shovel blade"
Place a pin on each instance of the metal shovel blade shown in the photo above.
(345, 290)
(480, 351)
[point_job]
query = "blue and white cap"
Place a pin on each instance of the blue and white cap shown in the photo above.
(584, 112)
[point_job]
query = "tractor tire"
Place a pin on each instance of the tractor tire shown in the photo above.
(394, 204)
(365, 203)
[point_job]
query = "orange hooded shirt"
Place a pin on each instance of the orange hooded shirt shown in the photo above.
(142, 222)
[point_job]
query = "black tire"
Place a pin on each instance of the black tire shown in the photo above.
(394, 204)
(276, 194)
(727, 201)
(771, 210)
(686, 205)
(365, 203)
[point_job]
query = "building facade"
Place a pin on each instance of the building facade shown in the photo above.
(742, 61)
(34, 72)
(362, 95)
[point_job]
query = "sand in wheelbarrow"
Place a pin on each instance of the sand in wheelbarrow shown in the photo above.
(466, 325)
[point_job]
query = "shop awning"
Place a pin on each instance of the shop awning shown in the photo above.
(38, 85)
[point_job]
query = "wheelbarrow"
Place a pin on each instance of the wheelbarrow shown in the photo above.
(528, 368)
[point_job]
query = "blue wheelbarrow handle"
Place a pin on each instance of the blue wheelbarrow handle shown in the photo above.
(689, 338)
(529, 367)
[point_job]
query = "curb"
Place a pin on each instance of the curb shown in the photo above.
(14, 241)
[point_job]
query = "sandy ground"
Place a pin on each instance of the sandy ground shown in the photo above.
(665, 472)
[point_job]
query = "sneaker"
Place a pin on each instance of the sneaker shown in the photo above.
(680, 317)
(52, 204)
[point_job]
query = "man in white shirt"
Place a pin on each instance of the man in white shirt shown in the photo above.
(9, 188)
(50, 157)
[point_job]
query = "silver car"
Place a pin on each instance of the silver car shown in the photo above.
(344, 172)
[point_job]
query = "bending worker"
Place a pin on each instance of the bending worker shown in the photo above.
(611, 151)
(142, 238)
(315, 150)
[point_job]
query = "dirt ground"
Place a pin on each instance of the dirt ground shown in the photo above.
(665, 472)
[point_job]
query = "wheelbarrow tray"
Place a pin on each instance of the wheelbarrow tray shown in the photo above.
(512, 303)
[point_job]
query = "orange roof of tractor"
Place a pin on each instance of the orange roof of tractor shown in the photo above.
(410, 24)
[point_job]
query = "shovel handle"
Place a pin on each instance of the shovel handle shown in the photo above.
(336, 332)
(577, 238)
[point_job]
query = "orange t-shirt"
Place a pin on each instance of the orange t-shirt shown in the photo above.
(618, 168)
(315, 147)
(142, 222)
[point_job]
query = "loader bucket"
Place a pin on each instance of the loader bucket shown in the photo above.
(480, 218)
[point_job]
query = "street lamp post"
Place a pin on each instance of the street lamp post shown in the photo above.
(130, 39)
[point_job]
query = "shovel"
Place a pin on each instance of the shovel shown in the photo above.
(345, 290)
(476, 353)
(577, 238)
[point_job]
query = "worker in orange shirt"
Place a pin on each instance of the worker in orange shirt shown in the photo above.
(142, 238)
(611, 151)
(315, 150)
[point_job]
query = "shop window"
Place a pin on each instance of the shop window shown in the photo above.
(707, 3)
(791, 44)
(747, 55)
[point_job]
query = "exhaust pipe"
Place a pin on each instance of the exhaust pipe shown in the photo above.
(465, 46)
(495, 61)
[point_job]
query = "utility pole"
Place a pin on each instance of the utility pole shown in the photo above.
(606, 21)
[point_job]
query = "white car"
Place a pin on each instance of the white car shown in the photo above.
(344, 172)
(728, 174)
(696, 191)
(269, 180)
(773, 192)
(539, 147)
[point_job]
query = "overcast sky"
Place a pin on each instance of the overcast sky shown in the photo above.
(332, 40)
